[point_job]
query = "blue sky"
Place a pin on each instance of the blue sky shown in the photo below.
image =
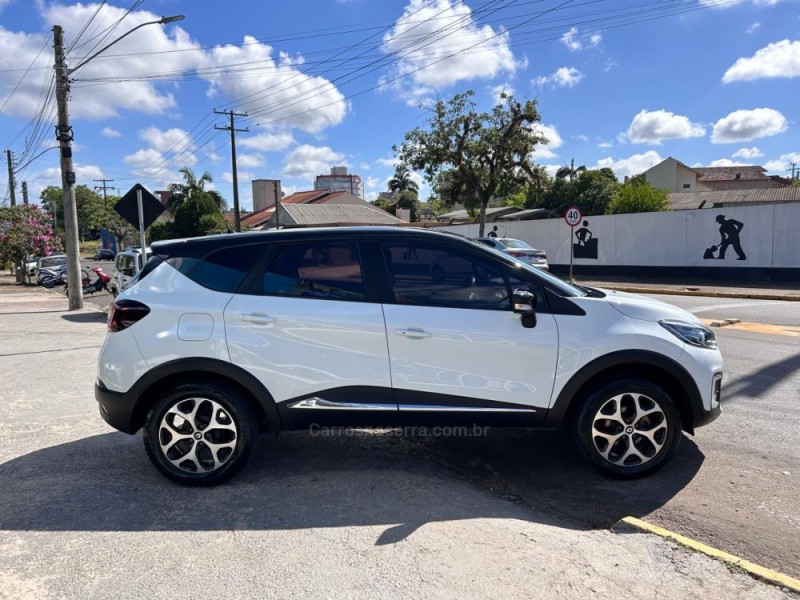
(620, 83)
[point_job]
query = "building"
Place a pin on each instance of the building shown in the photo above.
(266, 193)
(678, 178)
(340, 181)
(727, 198)
(330, 215)
(257, 219)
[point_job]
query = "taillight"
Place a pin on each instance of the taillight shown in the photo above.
(124, 313)
(517, 254)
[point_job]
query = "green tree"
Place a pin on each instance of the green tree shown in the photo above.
(402, 182)
(189, 216)
(190, 187)
(570, 172)
(89, 205)
(591, 192)
(637, 196)
(25, 231)
(484, 151)
(408, 199)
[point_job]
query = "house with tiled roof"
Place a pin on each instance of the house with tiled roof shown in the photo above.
(677, 177)
(258, 219)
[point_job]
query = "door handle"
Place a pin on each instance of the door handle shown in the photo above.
(413, 332)
(257, 319)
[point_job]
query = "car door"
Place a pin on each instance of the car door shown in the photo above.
(455, 345)
(313, 332)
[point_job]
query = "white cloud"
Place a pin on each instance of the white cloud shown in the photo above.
(605, 145)
(387, 162)
(111, 133)
(149, 164)
(306, 161)
(720, 3)
(267, 142)
(782, 166)
(748, 153)
(753, 27)
(433, 57)
(633, 165)
(165, 141)
(364, 166)
(373, 183)
(573, 40)
(779, 59)
(248, 161)
(562, 77)
(746, 125)
(84, 174)
(278, 92)
(546, 151)
(652, 127)
(725, 162)
(243, 176)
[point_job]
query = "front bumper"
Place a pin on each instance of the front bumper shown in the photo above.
(116, 408)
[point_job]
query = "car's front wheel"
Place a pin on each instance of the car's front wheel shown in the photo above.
(628, 428)
(200, 434)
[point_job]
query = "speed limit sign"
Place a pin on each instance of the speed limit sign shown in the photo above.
(573, 216)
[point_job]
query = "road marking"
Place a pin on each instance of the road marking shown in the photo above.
(699, 309)
(787, 330)
(753, 569)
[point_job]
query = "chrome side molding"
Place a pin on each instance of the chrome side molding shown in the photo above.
(463, 409)
(321, 403)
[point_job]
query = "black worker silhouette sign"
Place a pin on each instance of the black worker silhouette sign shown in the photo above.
(729, 230)
(586, 246)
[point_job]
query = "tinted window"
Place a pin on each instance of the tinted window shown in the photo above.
(440, 276)
(223, 270)
(330, 270)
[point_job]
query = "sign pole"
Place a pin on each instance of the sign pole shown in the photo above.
(572, 216)
(141, 225)
(571, 233)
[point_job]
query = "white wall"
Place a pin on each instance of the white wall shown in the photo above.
(770, 237)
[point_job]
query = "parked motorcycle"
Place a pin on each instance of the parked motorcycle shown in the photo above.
(52, 276)
(99, 284)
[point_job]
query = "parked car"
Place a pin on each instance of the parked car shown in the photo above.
(30, 265)
(49, 262)
(518, 249)
(127, 264)
(105, 254)
(223, 337)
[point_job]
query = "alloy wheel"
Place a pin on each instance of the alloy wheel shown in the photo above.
(629, 430)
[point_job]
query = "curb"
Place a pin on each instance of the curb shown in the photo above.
(632, 524)
(707, 293)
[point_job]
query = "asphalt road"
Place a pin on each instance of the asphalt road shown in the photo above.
(735, 485)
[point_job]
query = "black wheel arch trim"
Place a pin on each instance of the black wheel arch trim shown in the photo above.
(138, 403)
(693, 413)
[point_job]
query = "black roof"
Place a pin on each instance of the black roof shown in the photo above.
(200, 246)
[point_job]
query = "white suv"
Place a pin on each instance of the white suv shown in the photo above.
(224, 337)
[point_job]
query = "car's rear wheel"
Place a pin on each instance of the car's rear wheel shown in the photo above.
(200, 434)
(628, 428)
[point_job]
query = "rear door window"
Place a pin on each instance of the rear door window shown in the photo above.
(223, 270)
(318, 269)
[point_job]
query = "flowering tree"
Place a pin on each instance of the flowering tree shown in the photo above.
(25, 231)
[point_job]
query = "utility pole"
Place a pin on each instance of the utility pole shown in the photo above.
(24, 192)
(64, 137)
(12, 184)
(236, 220)
(97, 187)
(794, 166)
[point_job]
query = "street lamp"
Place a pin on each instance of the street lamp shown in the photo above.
(64, 137)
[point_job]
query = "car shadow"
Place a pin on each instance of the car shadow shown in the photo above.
(298, 481)
(85, 317)
(759, 382)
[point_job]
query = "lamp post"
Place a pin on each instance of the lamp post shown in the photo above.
(64, 137)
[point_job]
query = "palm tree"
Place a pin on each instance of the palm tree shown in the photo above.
(570, 172)
(402, 182)
(181, 192)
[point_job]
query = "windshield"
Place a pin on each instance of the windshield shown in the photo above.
(509, 243)
(53, 262)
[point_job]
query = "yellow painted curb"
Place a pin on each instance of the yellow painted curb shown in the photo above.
(753, 569)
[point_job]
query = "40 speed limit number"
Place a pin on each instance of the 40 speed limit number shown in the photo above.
(573, 216)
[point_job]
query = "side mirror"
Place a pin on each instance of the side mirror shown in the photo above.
(524, 303)
(128, 271)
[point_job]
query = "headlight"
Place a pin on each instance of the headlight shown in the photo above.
(691, 333)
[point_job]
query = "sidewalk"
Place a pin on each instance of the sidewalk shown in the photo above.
(374, 520)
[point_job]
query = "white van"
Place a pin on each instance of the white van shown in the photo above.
(127, 265)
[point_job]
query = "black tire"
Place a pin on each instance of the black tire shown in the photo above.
(210, 467)
(652, 438)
